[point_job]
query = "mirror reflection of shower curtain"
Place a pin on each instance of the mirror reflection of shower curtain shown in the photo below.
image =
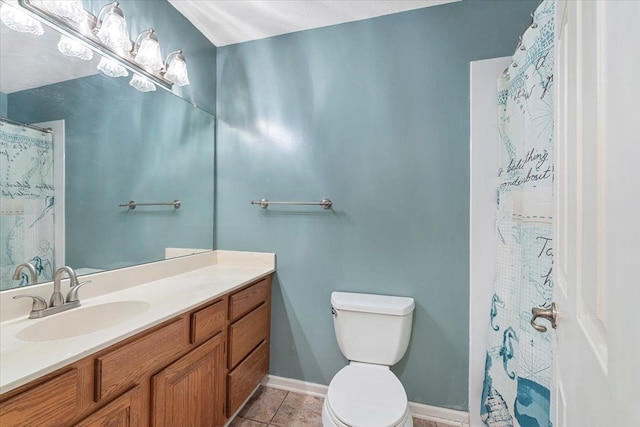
(26, 203)
(519, 359)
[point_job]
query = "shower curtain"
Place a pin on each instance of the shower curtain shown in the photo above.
(26, 203)
(519, 359)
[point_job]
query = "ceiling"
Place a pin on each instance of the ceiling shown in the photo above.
(226, 22)
(43, 65)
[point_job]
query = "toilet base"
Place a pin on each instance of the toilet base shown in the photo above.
(329, 420)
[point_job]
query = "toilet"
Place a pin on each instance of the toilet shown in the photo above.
(373, 334)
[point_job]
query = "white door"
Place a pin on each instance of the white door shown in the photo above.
(597, 262)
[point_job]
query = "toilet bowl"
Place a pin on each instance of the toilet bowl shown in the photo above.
(368, 395)
(373, 333)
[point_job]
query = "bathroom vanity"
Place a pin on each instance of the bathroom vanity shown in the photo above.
(192, 367)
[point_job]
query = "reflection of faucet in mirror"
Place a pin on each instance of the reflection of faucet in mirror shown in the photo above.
(19, 275)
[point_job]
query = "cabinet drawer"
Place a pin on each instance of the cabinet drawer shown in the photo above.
(247, 299)
(207, 322)
(122, 367)
(246, 334)
(245, 378)
(53, 403)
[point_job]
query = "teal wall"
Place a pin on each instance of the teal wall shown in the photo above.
(374, 115)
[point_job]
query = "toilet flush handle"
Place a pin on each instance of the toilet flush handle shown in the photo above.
(333, 311)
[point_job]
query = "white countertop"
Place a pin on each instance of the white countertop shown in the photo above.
(219, 272)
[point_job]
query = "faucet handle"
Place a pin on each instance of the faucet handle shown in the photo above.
(39, 303)
(73, 292)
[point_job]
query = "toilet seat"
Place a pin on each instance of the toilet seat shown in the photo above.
(330, 420)
(368, 395)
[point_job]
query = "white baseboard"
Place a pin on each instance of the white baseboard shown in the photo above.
(297, 386)
(418, 410)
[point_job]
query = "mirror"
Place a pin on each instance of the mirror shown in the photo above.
(115, 145)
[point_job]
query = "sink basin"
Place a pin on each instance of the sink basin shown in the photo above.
(82, 320)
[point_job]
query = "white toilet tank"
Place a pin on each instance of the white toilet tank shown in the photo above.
(372, 328)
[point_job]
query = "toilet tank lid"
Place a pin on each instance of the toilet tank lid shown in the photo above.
(369, 303)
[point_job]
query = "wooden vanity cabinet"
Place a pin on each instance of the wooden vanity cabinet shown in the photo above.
(179, 373)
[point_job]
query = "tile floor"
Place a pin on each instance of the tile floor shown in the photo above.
(279, 408)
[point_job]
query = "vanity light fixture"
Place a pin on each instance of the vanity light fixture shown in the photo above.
(142, 83)
(73, 48)
(19, 21)
(107, 34)
(176, 67)
(69, 9)
(111, 68)
(112, 30)
(146, 50)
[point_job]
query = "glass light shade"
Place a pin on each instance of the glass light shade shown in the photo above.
(113, 32)
(177, 72)
(142, 83)
(70, 9)
(74, 48)
(111, 68)
(19, 21)
(149, 55)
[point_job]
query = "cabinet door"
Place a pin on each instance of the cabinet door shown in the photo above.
(122, 412)
(189, 392)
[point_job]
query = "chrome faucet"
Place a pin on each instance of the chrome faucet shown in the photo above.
(56, 297)
(33, 276)
(57, 302)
